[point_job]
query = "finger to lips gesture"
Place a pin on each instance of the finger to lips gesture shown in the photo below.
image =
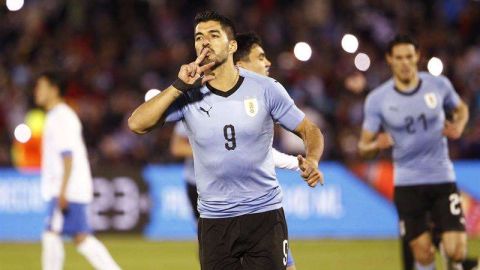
(309, 171)
(193, 73)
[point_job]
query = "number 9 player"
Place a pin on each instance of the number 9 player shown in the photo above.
(229, 114)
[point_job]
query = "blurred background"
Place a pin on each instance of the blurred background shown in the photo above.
(328, 54)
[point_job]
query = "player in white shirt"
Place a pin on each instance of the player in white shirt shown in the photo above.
(66, 180)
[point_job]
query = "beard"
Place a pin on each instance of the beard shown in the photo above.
(219, 59)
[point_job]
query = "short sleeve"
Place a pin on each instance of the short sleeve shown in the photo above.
(68, 130)
(175, 111)
(372, 118)
(451, 100)
(281, 106)
(180, 129)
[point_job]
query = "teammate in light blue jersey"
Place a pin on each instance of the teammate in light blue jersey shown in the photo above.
(415, 120)
(229, 114)
(408, 112)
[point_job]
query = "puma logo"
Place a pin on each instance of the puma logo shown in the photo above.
(207, 112)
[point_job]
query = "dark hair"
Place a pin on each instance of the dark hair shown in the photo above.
(55, 78)
(245, 43)
(226, 23)
(401, 39)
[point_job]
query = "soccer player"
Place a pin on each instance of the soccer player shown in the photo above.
(411, 109)
(251, 56)
(66, 180)
(229, 114)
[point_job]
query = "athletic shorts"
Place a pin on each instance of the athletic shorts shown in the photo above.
(71, 221)
(254, 241)
(422, 207)
(290, 260)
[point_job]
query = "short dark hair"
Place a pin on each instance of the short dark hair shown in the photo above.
(226, 23)
(245, 43)
(401, 39)
(55, 78)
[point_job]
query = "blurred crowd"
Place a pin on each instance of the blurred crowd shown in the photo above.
(114, 51)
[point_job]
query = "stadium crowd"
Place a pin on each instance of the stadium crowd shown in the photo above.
(114, 51)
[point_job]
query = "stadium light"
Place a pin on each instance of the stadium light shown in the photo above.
(362, 62)
(302, 51)
(14, 5)
(349, 43)
(151, 94)
(435, 66)
(22, 133)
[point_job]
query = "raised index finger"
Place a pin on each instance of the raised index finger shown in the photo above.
(202, 55)
(206, 67)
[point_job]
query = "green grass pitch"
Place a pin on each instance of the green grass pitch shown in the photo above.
(137, 253)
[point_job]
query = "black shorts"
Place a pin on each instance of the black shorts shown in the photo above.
(255, 241)
(431, 207)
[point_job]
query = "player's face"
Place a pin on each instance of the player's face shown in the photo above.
(43, 91)
(256, 61)
(403, 61)
(211, 35)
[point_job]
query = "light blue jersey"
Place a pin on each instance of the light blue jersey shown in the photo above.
(416, 121)
(188, 169)
(231, 134)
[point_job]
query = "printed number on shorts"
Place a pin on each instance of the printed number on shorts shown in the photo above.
(285, 252)
(455, 204)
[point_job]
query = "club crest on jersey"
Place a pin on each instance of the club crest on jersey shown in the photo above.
(431, 100)
(251, 106)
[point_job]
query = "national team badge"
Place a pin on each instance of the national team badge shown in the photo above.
(251, 106)
(431, 100)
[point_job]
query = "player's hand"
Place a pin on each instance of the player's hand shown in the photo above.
(452, 131)
(384, 141)
(309, 171)
(62, 202)
(192, 75)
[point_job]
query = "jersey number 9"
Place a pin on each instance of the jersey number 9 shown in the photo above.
(229, 134)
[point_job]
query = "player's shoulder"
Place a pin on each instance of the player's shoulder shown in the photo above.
(439, 81)
(67, 110)
(64, 112)
(381, 91)
(255, 78)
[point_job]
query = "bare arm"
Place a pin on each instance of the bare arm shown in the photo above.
(180, 147)
(147, 115)
(454, 129)
(313, 140)
(367, 146)
(371, 143)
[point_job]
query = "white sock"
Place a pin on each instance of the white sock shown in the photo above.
(97, 254)
(53, 253)
(425, 267)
